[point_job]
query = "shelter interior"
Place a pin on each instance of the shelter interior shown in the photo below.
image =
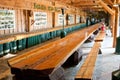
(44, 36)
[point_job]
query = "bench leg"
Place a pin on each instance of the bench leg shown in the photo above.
(74, 59)
(100, 52)
(57, 74)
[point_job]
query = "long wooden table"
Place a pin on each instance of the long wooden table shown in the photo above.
(47, 60)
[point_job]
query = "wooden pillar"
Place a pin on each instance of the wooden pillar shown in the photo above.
(75, 19)
(116, 32)
(53, 16)
(31, 20)
(53, 19)
(26, 14)
(66, 19)
(112, 24)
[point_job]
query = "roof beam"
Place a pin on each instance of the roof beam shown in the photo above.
(86, 3)
(113, 1)
(117, 1)
(109, 2)
(106, 7)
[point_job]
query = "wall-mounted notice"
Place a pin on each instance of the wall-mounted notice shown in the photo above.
(7, 19)
(71, 19)
(60, 20)
(40, 19)
(77, 18)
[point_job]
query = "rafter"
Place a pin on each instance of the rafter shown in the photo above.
(84, 3)
(105, 6)
(109, 2)
(113, 1)
(117, 1)
(88, 3)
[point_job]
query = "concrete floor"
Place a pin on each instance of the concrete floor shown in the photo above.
(105, 64)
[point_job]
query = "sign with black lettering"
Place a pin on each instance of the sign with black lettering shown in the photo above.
(40, 19)
(60, 20)
(70, 19)
(7, 19)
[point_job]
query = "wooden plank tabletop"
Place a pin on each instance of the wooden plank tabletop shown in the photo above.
(87, 69)
(54, 54)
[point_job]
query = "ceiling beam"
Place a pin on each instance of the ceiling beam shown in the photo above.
(106, 7)
(113, 1)
(86, 3)
(109, 2)
(117, 1)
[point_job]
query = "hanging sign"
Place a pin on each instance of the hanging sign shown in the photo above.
(78, 19)
(40, 19)
(7, 19)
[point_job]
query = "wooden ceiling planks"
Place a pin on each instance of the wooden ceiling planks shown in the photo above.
(78, 3)
(87, 3)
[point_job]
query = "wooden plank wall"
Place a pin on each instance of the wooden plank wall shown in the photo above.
(49, 22)
(22, 17)
(19, 23)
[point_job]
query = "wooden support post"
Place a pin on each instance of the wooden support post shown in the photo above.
(53, 16)
(100, 52)
(26, 14)
(53, 19)
(75, 19)
(116, 26)
(66, 19)
(112, 23)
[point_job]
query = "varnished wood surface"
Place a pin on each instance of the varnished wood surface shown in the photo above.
(87, 69)
(54, 54)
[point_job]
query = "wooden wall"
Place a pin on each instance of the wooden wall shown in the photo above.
(19, 23)
(49, 22)
(23, 18)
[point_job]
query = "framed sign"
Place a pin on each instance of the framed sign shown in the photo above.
(40, 19)
(7, 19)
(60, 20)
(71, 19)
